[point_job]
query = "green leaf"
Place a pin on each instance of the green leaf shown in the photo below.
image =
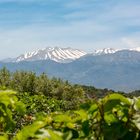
(49, 135)
(137, 103)
(5, 137)
(83, 114)
(117, 97)
(29, 131)
(62, 118)
(86, 127)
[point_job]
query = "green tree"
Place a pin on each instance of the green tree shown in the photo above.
(24, 81)
(43, 85)
(5, 78)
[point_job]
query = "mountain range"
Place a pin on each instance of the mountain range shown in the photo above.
(105, 68)
(60, 55)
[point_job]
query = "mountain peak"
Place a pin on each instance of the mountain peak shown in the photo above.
(61, 55)
(104, 51)
(135, 49)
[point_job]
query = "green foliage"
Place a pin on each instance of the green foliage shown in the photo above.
(23, 81)
(8, 105)
(57, 110)
(4, 78)
(114, 117)
(40, 88)
(5, 137)
(29, 131)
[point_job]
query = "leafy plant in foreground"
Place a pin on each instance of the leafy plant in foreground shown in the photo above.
(9, 107)
(114, 117)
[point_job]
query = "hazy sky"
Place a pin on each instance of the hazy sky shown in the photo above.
(27, 25)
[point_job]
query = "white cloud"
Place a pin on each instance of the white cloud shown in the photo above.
(27, 38)
(131, 43)
(82, 25)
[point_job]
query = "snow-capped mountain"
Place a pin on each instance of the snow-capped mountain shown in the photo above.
(106, 68)
(135, 49)
(104, 51)
(61, 55)
(66, 55)
(112, 51)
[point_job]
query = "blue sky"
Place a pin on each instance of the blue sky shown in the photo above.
(27, 25)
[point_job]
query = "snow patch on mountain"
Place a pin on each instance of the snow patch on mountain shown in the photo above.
(61, 55)
(104, 51)
(135, 49)
(64, 55)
